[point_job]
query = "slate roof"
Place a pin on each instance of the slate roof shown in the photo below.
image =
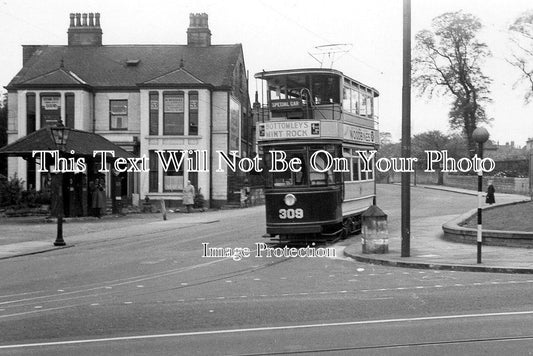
(82, 142)
(106, 66)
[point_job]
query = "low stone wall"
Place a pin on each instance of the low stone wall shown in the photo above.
(501, 184)
(419, 177)
(453, 231)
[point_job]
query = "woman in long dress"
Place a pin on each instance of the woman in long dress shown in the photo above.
(98, 197)
(490, 194)
(188, 196)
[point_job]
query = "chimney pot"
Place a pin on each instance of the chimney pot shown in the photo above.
(198, 33)
(83, 32)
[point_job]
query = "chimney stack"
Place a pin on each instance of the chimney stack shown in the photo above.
(84, 33)
(198, 34)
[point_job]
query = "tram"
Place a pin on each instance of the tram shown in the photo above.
(324, 123)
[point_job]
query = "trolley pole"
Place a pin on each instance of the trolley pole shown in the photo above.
(406, 129)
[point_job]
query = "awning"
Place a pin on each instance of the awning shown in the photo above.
(83, 143)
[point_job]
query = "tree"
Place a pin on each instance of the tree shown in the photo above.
(437, 141)
(447, 62)
(522, 58)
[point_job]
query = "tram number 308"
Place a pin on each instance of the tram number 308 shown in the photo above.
(291, 213)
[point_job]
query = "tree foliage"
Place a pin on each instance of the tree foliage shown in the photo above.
(522, 56)
(447, 62)
(437, 141)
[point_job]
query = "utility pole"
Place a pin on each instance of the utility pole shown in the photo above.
(406, 129)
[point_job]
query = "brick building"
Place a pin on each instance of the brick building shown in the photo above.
(144, 98)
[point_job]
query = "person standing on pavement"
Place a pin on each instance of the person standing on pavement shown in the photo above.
(98, 197)
(245, 194)
(188, 196)
(490, 194)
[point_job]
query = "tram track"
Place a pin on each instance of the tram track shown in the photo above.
(384, 347)
(109, 288)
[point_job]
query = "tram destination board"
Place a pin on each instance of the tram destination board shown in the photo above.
(285, 104)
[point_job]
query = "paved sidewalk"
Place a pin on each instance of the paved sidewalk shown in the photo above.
(428, 249)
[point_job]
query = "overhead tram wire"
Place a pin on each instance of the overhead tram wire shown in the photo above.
(319, 36)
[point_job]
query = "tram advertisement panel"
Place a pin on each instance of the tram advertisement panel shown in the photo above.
(293, 129)
(359, 134)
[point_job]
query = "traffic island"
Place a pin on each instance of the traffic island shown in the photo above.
(456, 231)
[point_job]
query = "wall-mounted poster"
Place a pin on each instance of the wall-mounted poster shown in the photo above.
(173, 103)
(50, 110)
(51, 102)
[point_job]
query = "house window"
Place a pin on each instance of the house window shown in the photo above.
(69, 110)
(154, 113)
(30, 113)
(173, 113)
(172, 179)
(50, 109)
(153, 175)
(193, 176)
(118, 114)
(193, 113)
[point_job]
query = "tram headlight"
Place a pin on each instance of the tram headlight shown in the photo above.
(289, 199)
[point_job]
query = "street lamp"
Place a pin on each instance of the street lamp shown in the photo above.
(480, 135)
(60, 134)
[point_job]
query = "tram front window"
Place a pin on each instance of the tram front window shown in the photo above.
(318, 174)
(313, 169)
(288, 178)
(319, 88)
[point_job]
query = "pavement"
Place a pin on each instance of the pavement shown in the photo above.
(428, 249)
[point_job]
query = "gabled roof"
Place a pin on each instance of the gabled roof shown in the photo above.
(106, 66)
(82, 142)
(56, 77)
(180, 75)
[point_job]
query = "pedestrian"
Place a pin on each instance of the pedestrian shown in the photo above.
(98, 197)
(490, 194)
(245, 194)
(188, 196)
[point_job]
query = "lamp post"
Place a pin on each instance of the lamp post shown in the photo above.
(480, 135)
(60, 134)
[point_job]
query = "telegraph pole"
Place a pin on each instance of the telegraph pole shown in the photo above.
(406, 129)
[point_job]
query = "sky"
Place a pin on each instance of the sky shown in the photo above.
(280, 34)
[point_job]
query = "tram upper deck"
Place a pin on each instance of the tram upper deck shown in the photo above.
(320, 95)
